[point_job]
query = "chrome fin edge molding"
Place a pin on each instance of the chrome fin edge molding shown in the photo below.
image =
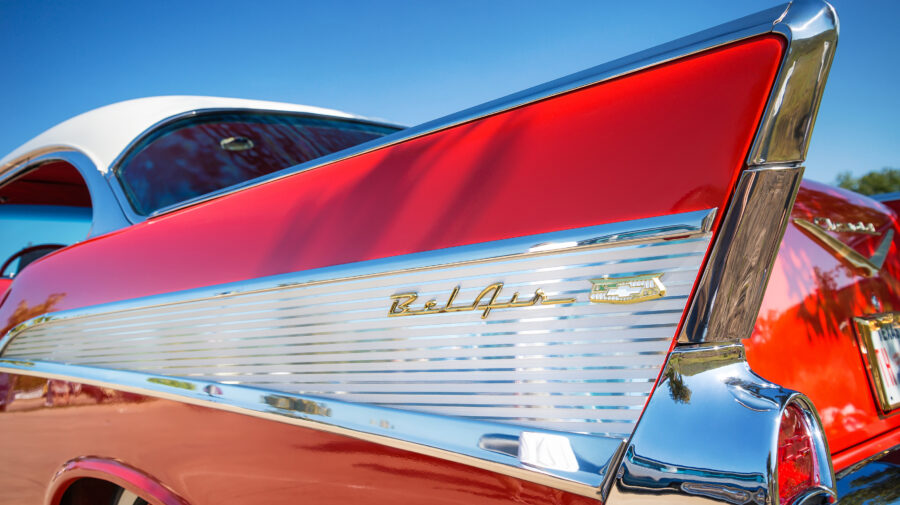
(811, 28)
(412, 431)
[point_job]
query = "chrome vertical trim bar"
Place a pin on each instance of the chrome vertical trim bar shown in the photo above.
(727, 299)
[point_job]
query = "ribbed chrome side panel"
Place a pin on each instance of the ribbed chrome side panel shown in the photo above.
(579, 367)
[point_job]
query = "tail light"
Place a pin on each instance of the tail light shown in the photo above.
(799, 467)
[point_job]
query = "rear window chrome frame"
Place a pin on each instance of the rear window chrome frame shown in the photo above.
(121, 194)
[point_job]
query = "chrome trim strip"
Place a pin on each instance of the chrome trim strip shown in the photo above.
(448, 438)
(749, 26)
(811, 27)
(723, 447)
(570, 365)
(727, 299)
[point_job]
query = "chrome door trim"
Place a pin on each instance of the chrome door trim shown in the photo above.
(453, 439)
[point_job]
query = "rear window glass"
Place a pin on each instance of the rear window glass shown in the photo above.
(206, 153)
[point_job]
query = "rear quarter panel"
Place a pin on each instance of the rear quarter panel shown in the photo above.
(804, 338)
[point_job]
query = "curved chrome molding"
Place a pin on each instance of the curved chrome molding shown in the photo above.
(811, 27)
(749, 26)
(709, 435)
(107, 214)
(727, 299)
(496, 447)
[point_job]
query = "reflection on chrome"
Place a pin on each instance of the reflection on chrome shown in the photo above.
(290, 405)
(172, 383)
(714, 435)
(645, 474)
(547, 450)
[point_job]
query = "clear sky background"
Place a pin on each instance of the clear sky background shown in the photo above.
(404, 61)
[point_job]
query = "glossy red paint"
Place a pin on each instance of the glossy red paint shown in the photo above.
(202, 455)
(668, 139)
(804, 338)
(867, 449)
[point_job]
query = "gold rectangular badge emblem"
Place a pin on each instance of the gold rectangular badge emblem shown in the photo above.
(633, 289)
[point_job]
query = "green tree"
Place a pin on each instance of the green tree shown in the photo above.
(886, 180)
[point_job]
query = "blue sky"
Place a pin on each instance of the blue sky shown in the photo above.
(406, 62)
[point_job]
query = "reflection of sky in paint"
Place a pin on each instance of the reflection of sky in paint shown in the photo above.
(22, 226)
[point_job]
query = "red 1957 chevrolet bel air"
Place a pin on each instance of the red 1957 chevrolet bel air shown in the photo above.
(610, 288)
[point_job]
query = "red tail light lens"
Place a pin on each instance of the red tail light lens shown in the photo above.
(797, 465)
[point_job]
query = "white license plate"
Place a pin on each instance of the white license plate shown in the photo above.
(880, 343)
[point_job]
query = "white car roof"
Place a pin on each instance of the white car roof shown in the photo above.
(103, 134)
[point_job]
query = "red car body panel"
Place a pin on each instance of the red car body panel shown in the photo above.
(207, 455)
(805, 337)
(557, 164)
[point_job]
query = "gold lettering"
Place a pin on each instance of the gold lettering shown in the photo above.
(486, 301)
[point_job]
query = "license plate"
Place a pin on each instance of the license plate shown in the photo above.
(880, 344)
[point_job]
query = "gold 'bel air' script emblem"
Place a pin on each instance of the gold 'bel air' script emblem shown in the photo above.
(633, 289)
(486, 301)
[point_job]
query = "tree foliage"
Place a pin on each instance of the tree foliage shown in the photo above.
(886, 180)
